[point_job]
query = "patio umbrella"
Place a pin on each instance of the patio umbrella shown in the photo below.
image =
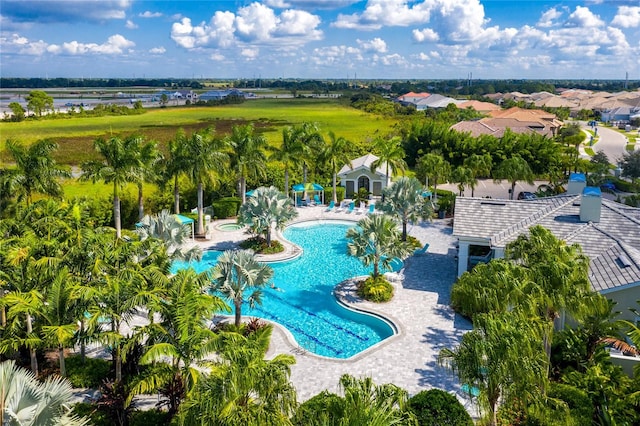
(250, 193)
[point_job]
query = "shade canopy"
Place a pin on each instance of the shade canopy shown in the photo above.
(310, 187)
(183, 219)
(250, 193)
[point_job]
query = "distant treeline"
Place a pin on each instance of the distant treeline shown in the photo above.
(457, 87)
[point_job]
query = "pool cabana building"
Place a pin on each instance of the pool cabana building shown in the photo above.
(359, 175)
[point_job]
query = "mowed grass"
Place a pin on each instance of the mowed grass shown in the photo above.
(76, 135)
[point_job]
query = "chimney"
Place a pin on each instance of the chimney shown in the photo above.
(577, 182)
(591, 204)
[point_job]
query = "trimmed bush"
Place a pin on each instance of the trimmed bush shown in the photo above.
(415, 243)
(226, 207)
(436, 407)
(326, 409)
(328, 193)
(259, 245)
(89, 375)
(375, 289)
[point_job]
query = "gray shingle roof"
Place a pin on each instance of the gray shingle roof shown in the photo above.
(617, 234)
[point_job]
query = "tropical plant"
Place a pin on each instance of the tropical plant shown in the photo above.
(39, 102)
(243, 387)
(176, 165)
(391, 154)
(334, 156)
(376, 241)
(119, 166)
(437, 407)
(25, 401)
(323, 409)
(513, 169)
(404, 200)
(480, 165)
(247, 155)
(174, 234)
(309, 143)
(148, 157)
(287, 153)
(238, 272)
(35, 171)
(434, 169)
(207, 163)
(462, 176)
(266, 207)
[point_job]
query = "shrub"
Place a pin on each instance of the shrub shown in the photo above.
(96, 418)
(578, 401)
(437, 407)
(89, 375)
(375, 289)
(414, 242)
(226, 207)
(259, 245)
(328, 193)
(149, 417)
(325, 408)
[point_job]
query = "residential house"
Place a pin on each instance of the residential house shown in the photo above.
(359, 175)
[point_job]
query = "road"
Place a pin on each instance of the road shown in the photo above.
(610, 142)
(489, 188)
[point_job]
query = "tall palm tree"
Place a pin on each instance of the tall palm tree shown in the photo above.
(404, 200)
(207, 163)
(309, 144)
(463, 176)
(118, 166)
(267, 207)
(287, 153)
(434, 169)
(247, 155)
(237, 273)
(243, 387)
(376, 241)
(480, 165)
(335, 155)
(26, 401)
(177, 165)
(390, 153)
(148, 157)
(35, 170)
(179, 343)
(513, 170)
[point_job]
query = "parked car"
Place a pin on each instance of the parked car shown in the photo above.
(608, 186)
(526, 195)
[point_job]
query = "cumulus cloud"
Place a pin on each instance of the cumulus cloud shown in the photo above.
(250, 53)
(375, 45)
(131, 25)
(157, 50)
(549, 17)
(426, 34)
(332, 55)
(255, 24)
(50, 11)
(627, 17)
(150, 14)
(583, 17)
(379, 13)
(309, 4)
(115, 45)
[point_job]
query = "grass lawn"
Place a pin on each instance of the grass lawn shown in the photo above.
(76, 135)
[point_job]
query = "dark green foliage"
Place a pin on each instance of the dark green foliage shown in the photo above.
(150, 417)
(328, 193)
(375, 289)
(259, 245)
(87, 375)
(447, 203)
(577, 400)
(226, 207)
(324, 409)
(96, 417)
(436, 407)
(414, 242)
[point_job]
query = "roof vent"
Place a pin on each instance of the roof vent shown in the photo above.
(492, 203)
(623, 261)
(577, 182)
(590, 204)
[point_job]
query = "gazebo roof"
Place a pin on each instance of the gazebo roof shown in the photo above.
(363, 162)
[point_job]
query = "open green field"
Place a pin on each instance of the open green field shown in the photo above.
(76, 135)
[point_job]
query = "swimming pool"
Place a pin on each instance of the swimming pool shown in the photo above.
(303, 300)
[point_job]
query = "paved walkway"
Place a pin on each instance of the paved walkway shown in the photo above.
(420, 309)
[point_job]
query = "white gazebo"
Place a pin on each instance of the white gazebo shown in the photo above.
(359, 175)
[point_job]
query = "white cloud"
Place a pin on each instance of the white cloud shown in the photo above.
(332, 55)
(280, 4)
(216, 57)
(379, 13)
(149, 14)
(547, 19)
(250, 53)
(131, 25)
(72, 11)
(375, 45)
(298, 22)
(627, 17)
(157, 50)
(426, 34)
(583, 17)
(116, 44)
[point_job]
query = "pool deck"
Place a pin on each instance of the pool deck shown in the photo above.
(419, 309)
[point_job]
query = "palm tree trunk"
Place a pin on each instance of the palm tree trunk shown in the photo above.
(243, 190)
(63, 369)
(3, 316)
(117, 359)
(176, 196)
(404, 230)
(513, 188)
(286, 181)
(83, 348)
(238, 313)
(32, 351)
(116, 211)
(335, 187)
(200, 209)
(268, 235)
(140, 202)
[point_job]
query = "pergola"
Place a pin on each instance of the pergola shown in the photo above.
(308, 188)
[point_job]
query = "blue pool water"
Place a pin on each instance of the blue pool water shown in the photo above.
(303, 301)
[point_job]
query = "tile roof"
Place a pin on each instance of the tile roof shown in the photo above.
(363, 162)
(479, 106)
(499, 222)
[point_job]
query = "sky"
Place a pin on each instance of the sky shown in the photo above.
(320, 39)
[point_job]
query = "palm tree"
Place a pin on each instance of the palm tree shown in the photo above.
(207, 164)
(462, 176)
(335, 155)
(480, 165)
(35, 170)
(243, 387)
(238, 272)
(391, 154)
(309, 144)
(177, 165)
(174, 234)
(434, 169)
(287, 153)
(404, 200)
(148, 157)
(247, 155)
(376, 241)
(513, 170)
(26, 401)
(118, 166)
(366, 403)
(180, 341)
(266, 207)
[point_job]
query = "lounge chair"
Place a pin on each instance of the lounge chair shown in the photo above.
(331, 206)
(360, 209)
(352, 205)
(372, 209)
(422, 250)
(341, 207)
(316, 200)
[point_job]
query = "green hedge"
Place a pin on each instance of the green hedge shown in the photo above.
(437, 407)
(226, 207)
(328, 193)
(375, 289)
(87, 375)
